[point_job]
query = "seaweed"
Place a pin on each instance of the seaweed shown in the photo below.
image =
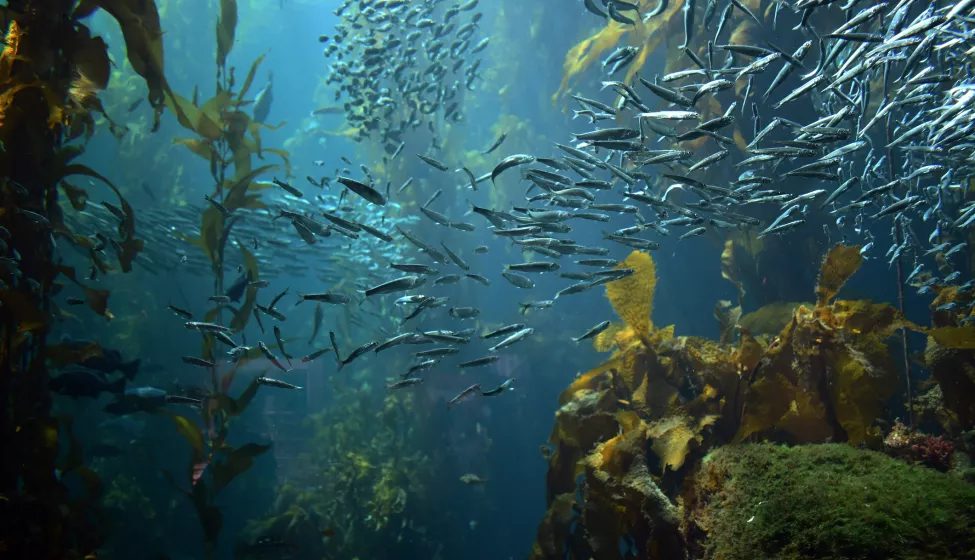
(52, 70)
(629, 433)
(227, 139)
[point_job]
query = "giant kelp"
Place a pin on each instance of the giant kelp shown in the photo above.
(51, 71)
(228, 139)
(825, 377)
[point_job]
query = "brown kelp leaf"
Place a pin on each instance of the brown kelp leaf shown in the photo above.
(77, 196)
(861, 317)
(25, 313)
(226, 28)
(97, 298)
(632, 297)
(672, 439)
(957, 338)
(839, 265)
(89, 55)
(59, 355)
(143, 42)
(954, 371)
(236, 407)
(192, 117)
(244, 313)
(555, 528)
(863, 380)
(235, 462)
(729, 269)
(190, 432)
(249, 80)
(727, 315)
(129, 247)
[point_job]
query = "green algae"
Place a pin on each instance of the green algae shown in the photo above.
(830, 501)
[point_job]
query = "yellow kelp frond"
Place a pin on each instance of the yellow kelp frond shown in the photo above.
(632, 297)
(586, 52)
(643, 35)
(606, 340)
(861, 317)
(674, 437)
(839, 265)
(727, 315)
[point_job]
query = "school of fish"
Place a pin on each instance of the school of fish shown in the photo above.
(877, 149)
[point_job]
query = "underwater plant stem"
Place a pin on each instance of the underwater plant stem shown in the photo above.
(898, 239)
(900, 305)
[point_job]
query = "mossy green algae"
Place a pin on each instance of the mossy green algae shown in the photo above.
(831, 501)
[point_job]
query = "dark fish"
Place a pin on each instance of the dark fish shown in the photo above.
(271, 382)
(432, 162)
(271, 357)
(506, 386)
(497, 143)
(314, 355)
(509, 162)
(237, 289)
(357, 352)
(110, 360)
(465, 394)
(84, 383)
(363, 190)
(487, 360)
(402, 384)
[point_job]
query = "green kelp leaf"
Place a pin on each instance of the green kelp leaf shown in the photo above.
(243, 314)
(235, 462)
(211, 229)
(199, 146)
(957, 338)
(226, 28)
(228, 226)
(249, 80)
(139, 21)
(190, 432)
(236, 194)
